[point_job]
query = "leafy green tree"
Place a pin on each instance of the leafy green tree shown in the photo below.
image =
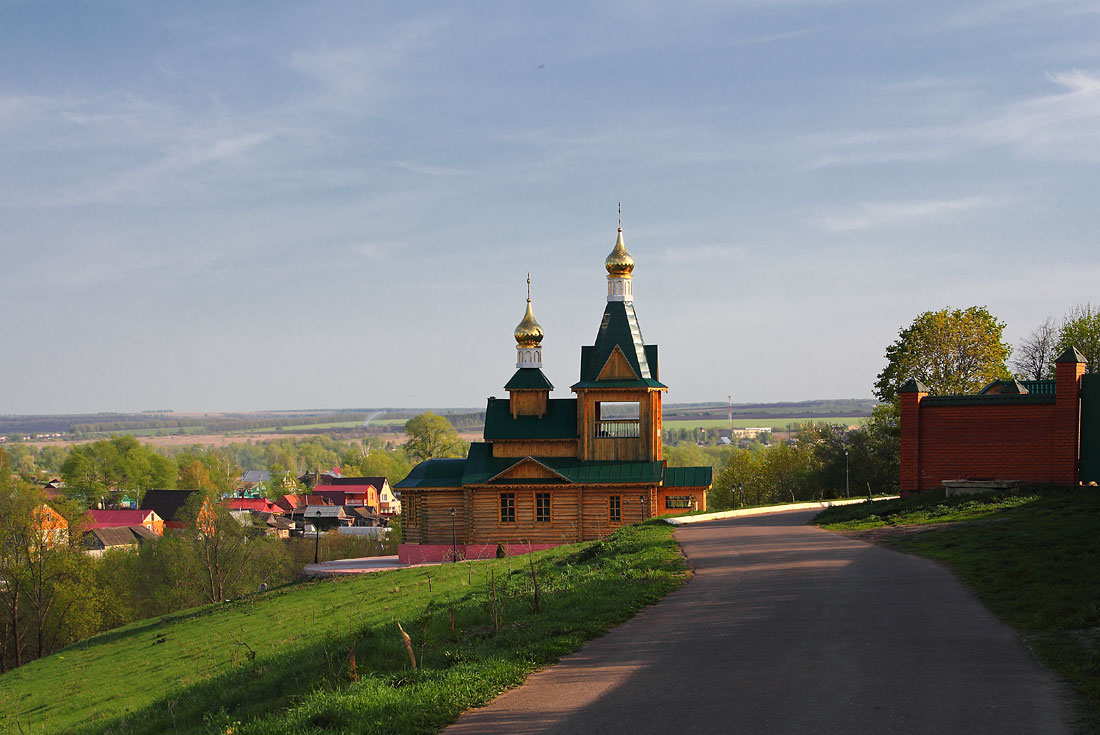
(432, 436)
(950, 351)
(1081, 329)
(46, 598)
(686, 455)
(193, 475)
(95, 472)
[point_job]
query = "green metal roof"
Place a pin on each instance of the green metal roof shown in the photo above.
(529, 379)
(619, 328)
(688, 476)
(1032, 387)
(435, 473)
(481, 467)
(559, 421)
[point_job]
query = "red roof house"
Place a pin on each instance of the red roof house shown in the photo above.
(257, 505)
(122, 518)
(289, 502)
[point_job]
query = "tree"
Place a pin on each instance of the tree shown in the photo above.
(1033, 358)
(219, 544)
(951, 351)
(431, 436)
(92, 472)
(46, 598)
(1081, 329)
(194, 475)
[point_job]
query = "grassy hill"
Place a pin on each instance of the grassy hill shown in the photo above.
(281, 661)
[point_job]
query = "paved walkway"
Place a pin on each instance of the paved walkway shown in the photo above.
(354, 566)
(786, 628)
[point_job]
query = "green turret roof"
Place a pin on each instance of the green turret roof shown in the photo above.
(529, 379)
(619, 328)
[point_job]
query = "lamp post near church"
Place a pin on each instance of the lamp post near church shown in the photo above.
(847, 492)
(454, 539)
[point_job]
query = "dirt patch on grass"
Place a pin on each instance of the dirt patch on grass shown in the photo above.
(884, 535)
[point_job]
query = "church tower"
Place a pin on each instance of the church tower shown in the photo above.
(619, 394)
(529, 389)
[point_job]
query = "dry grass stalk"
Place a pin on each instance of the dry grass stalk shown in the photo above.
(408, 645)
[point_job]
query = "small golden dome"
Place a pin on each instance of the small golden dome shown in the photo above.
(619, 264)
(528, 333)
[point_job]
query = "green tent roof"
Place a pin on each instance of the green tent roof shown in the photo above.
(559, 422)
(619, 328)
(687, 476)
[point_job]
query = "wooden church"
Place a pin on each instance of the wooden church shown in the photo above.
(553, 471)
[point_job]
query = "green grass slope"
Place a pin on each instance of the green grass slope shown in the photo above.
(281, 662)
(1033, 558)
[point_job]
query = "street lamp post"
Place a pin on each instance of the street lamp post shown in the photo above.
(847, 492)
(316, 542)
(454, 539)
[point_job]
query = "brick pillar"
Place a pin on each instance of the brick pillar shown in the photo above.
(911, 394)
(1066, 439)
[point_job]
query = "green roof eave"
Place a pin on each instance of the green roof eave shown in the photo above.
(529, 379)
(688, 477)
(433, 473)
(643, 383)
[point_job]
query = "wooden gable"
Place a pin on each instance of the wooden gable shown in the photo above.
(617, 367)
(529, 469)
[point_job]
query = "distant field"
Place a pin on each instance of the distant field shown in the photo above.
(775, 423)
(328, 425)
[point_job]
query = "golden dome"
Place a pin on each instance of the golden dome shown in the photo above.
(528, 333)
(619, 264)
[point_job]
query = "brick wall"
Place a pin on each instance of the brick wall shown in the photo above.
(1031, 438)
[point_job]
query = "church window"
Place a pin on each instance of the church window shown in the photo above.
(507, 507)
(615, 508)
(542, 507)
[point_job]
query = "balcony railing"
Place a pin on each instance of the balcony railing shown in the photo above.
(621, 429)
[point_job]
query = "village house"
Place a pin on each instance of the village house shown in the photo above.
(148, 519)
(51, 524)
(99, 540)
(169, 505)
(557, 470)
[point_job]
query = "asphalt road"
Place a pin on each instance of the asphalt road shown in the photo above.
(785, 628)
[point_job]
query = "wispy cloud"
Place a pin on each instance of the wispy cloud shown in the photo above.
(419, 168)
(1063, 125)
(872, 215)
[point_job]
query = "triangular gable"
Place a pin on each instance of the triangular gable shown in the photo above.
(617, 367)
(529, 469)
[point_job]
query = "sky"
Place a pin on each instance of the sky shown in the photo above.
(212, 206)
